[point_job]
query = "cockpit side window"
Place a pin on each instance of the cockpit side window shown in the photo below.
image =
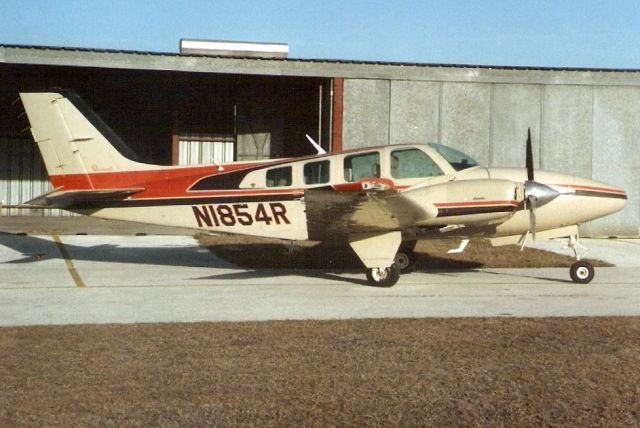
(456, 159)
(366, 165)
(279, 177)
(412, 163)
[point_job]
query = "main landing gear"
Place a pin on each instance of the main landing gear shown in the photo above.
(377, 252)
(383, 277)
(403, 262)
(581, 272)
(406, 258)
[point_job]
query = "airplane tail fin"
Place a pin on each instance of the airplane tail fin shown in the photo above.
(73, 140)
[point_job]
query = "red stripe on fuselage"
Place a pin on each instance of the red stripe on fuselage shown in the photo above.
(158, 183)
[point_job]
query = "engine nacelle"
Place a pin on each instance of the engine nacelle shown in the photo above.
(467, 202)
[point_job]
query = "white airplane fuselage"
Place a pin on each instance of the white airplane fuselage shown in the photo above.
(373, 198)
(465, 197)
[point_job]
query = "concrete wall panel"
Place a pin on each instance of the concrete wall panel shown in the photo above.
(514, 109)
(584, 130)
(567, 129)
(366, 113)
(616, 160)
(414, 112)
(464, 121)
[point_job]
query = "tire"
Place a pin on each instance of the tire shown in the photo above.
(582, 272)
(405, 260)
(383, 277)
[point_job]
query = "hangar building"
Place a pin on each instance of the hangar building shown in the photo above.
(175, 108)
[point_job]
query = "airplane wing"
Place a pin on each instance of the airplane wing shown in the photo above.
(334, 213)
(379, 207)
(68, 199)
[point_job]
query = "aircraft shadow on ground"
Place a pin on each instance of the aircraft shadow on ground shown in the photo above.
(321, 261)
(267, 262)
(321, 256)
(541, 278)
(272, 273)
(35, 249)
(260, 261)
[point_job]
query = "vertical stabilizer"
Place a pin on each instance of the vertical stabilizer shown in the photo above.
(72, 139)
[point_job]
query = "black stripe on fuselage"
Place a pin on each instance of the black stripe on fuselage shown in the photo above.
(231, 180)
(450, 212)
(161, 202)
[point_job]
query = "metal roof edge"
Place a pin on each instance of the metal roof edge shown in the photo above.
(313, 60)
(314, 68)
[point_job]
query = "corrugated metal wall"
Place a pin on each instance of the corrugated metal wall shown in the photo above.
(198, 151)
(23, 177)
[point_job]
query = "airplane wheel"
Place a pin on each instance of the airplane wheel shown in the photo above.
(383, 277)
(405, 260)
(582, 272)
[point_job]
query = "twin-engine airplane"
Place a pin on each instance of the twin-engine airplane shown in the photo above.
(378, 200)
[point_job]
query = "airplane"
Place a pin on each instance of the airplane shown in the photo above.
(378, 200)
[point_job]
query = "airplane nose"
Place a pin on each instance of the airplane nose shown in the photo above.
(593, 199)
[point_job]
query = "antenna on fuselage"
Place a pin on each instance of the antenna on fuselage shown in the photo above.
(316, 146)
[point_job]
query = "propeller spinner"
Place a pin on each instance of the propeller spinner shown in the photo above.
(536, 194)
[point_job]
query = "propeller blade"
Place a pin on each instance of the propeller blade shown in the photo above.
(532, 215)
(529, 156)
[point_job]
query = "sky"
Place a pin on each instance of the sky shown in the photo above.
(539, 33)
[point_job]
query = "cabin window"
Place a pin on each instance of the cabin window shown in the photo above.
(316, 172)
(366, 165)
(412, 163)
(279, 177)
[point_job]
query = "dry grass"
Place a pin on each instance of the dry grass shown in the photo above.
(428, 372)
(458, 372)
(255, 253)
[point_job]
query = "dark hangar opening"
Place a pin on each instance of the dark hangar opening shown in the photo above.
(169, 117)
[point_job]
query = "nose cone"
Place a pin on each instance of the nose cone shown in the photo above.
(593, 199)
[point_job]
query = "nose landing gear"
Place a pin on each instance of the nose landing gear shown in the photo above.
(581, 272)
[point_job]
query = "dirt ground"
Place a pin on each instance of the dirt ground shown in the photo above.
(255, 253)
(416, 372)
(426, 372)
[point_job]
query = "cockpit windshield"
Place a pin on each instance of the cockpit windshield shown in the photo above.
(458, 160)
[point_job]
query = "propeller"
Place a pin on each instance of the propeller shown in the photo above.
(536, 193)
(529, 156)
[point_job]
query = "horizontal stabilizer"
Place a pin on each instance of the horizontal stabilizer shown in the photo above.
(66, 199)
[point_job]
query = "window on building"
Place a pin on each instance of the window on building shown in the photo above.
(366, 165)
(279, 177)
(412, 163)
(316, 172)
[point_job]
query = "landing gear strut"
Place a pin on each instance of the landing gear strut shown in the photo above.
(581, 272)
